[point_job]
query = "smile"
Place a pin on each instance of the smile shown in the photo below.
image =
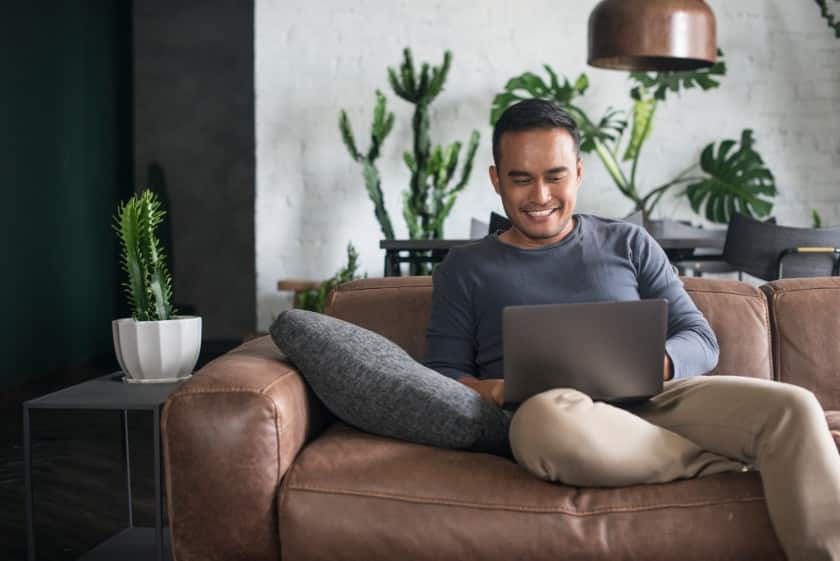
(540, 213)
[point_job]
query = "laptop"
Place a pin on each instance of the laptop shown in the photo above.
(611, 351)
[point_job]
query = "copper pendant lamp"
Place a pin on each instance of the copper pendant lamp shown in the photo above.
(656, 35)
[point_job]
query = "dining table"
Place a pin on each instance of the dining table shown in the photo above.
(687, 247)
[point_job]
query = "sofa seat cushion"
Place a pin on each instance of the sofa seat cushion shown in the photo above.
(351, 495)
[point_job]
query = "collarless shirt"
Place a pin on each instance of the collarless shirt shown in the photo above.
(600, 260)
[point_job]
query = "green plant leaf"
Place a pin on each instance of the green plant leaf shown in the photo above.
(383, 122)
(151, 213)
(374, 189)
(412, 220)
(127, 226)
(737, 182)
(466, 170)
(832, 20)
(816, 219)
(501, 102)
(439, 74)
(643, 112)
(315, 299)
(581, 84)
(149, 285)
(610, 127)
(347, 135)
(662, 82)
(530, 82)
(409, 161)
(530, 86)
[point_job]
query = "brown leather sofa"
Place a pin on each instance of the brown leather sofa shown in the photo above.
(257, 469)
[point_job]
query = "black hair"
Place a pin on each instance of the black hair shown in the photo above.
(533, 114)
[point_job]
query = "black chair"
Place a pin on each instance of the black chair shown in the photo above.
(498, 222)
(769, 251)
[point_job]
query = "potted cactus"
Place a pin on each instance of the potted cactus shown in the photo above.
(155, 344)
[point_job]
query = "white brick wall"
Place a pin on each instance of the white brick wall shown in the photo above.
(314, 58)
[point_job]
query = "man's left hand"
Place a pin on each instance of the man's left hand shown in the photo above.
(667, 368)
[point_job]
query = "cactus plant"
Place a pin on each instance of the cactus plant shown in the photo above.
(382, 124)
(315, 299)
(149, 285)
(428, 202)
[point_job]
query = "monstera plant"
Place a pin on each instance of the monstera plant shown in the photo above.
(722, 182)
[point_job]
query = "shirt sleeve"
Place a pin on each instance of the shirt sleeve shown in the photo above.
(691, 343)
(450, 341)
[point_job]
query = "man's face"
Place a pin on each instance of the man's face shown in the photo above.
(537, 177)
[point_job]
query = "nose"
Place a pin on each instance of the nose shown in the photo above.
(542, 193)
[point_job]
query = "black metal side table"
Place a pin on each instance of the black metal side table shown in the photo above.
(109, 392)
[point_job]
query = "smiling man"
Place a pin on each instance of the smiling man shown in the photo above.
(697, 426)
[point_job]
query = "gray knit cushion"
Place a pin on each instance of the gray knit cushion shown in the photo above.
(371, 383)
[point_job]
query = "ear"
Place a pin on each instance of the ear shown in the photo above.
(494, 179)
(579, 169)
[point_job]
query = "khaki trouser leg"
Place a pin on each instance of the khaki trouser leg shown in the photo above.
(692, 429)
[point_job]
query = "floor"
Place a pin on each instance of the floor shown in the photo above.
(78, 481)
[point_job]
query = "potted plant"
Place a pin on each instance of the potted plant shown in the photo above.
(155, 344)
(429, 199)
(729, 178)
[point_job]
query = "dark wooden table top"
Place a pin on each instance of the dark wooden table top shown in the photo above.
(669, 234)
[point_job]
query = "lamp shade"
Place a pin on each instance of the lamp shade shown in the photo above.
(655, 35)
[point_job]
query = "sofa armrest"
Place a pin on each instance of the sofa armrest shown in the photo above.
(229, 434)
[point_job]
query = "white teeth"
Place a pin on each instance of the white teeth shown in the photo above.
(540, 212)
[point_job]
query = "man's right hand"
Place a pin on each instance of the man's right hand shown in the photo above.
(493, 389)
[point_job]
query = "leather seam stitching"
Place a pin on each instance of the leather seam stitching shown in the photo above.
(708, 291)
(480, 505)
(771, 327)
(779, 290)
(164, 425)
(279, 379)
(233, 389)
(778, 335)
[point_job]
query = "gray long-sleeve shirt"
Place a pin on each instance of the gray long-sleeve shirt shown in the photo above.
(600, 260)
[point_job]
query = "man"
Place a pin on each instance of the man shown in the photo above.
(697, 426)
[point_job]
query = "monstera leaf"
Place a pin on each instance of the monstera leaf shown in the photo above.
(530, 86)
(737, 181)
(643, 112)
(662, 82)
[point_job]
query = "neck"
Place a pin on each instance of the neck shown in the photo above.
(516, 238)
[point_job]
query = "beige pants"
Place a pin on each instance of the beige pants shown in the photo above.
(697, 427)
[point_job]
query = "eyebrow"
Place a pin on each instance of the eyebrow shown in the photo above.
(519, 173)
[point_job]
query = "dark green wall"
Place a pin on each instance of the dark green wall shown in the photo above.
(65, 160)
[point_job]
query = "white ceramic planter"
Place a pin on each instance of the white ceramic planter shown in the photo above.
(157, 351)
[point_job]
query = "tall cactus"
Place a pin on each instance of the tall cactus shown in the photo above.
(430, 199)
(382, 124)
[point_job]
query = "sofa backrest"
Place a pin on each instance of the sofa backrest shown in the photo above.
(398, 308)
(395, 307)
(805, 315)
(738, 315)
